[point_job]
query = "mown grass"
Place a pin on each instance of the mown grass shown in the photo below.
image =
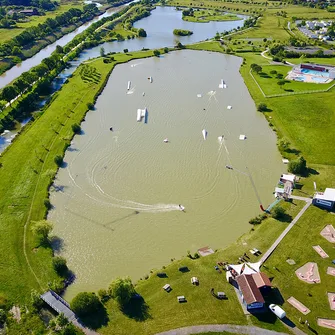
(7, 34)
(161, 311)
(297, 245)
(27, 170)
(210, 15)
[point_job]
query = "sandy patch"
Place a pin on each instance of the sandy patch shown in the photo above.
(320, 251)
(331, 300)
(205, 251)
(16, 312)
(298, 305)
(330, 271)
(326, 323)
(309, 273)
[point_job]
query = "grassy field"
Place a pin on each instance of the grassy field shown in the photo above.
(7, 34)
(297, 245)
(24, 178)
(210, 15)
(161, 311)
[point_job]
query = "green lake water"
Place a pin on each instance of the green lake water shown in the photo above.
(116, 202)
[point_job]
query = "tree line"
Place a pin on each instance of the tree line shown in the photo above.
(32, 34)
(37, 81)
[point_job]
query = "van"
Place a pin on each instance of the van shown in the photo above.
(275, 309)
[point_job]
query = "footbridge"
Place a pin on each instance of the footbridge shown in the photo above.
(59, 305)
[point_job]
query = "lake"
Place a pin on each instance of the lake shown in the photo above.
(116, 203)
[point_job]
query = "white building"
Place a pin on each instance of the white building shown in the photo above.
(325, 199)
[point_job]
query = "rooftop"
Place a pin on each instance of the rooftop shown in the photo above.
(249, 289)
(328, 194)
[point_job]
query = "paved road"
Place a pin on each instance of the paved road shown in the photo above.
(289, 227)
(248, 330)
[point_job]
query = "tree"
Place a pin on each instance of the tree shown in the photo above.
(256, 68)
(122, 289)
(262, 107)
(3, 316)
(278, 213)
(60, 266)
(9, 93)
(40, 70)
(20, 84)
(76, 128)
(86, 304)
(42, 228)
(102, 52)
(156, 53)
(16, 51)
(298, 166)
(142, 33)
(125, 50)
(58, 160)
(281, 82)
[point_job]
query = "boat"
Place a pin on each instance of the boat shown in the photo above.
(150, 79)
(220, 138)
(166, 140)
(229, 107)
(111, 128)
(242, 137)
(181, 207)
(222, 83)
(139, 115)
(204, 134)
(129, 84)
(143, 94)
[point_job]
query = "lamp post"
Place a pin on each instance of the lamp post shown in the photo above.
(251, 181)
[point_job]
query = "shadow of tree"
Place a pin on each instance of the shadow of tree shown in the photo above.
(57, 243)
(285, 218)
(136, 309)
(96, 320)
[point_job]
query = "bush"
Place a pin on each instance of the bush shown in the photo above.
(47, 204)
(262, 107)
(3, 316)
(90, 105)
(298, 166)
(76, 128)
(182, 32)
(278, 213)
(85, 304)
(258, 219)
(166, 50)
(60, 266)
(58, 160)
(103, 295)
(156, 53)
(125, 50)
(142, 33)
(273, 72)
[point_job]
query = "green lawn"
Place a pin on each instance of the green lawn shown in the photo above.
(210, 15)
(297, 245)
(27, 170)
(161, 310)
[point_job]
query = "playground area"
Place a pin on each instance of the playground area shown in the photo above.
(310, 73)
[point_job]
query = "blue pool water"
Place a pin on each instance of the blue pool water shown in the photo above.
(315, 73)
(319, 79)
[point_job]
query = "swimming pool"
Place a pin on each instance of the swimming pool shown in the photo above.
(315, 73)
(319, 79)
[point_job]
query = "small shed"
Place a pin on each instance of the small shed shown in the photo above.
(195, 281)
(325, 199)
(167, 287)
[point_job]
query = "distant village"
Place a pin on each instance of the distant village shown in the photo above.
(317, 29)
